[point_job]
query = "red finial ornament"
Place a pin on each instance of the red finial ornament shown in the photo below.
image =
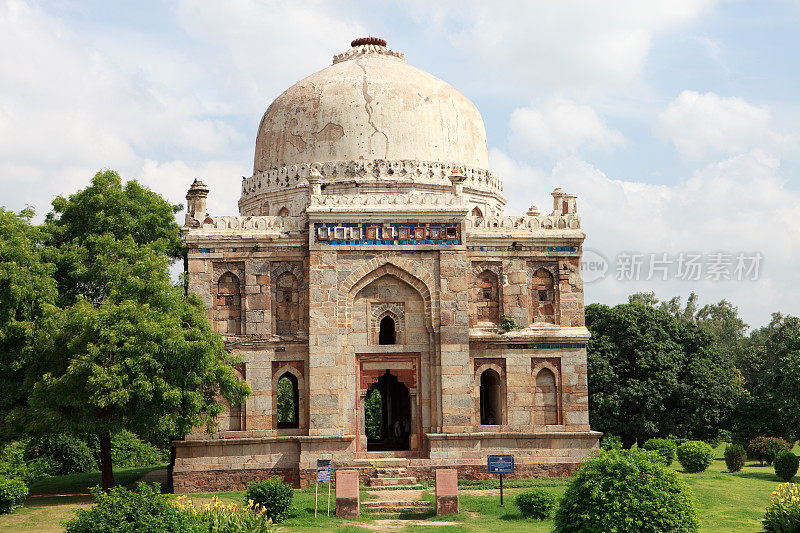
(368, 40)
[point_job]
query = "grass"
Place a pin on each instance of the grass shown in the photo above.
(727, 502)
(80, 482)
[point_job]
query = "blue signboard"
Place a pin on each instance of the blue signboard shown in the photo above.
(500, 464)
(323, 470)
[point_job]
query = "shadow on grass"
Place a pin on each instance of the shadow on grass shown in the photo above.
(53, 501)
(766, 476)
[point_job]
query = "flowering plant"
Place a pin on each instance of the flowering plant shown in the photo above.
(219, 517)
(783, 512)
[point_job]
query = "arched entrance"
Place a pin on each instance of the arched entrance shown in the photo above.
(387, 415)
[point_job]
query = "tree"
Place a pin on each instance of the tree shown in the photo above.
(373, 413)
(770, 368)
(286, 400)
(651, 374)
(27, 302)
(130, 350)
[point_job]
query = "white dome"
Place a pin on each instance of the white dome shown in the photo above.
(371, 105)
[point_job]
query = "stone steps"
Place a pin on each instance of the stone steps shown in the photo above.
(397, 507)
(392, 481)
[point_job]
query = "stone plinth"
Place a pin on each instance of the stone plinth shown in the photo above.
(446, 491)
(348, 504)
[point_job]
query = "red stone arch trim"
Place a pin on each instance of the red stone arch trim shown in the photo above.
(413, 274)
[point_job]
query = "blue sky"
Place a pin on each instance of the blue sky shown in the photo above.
(676, 122)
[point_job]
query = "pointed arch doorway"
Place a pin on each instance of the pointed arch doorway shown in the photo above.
(387, 415)
(388, 410)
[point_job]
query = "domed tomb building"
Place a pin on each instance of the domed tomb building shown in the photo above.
(373, 279)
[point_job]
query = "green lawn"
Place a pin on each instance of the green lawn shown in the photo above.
(726, 502)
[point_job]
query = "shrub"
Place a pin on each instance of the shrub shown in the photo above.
(142, 509)
(695, 456)
(678, 441)
(507, 323)
(12, 494)
(783, 512)
(764, 449)
(273, 495)
(725, 435)
(627, 490)
(734, 457)
(611, 442)
(60, 454)
(536, 503)
(785, 465)
(128, 450)
(666, 448)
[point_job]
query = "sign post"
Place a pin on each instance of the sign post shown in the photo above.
(323, 476)
(500, 464)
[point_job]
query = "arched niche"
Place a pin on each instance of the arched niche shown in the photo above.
(228, 305)
(544, 296)
(547, 395)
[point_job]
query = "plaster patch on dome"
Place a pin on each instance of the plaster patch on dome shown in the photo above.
(330, 133)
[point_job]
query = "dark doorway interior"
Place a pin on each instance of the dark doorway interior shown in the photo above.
(387, 415)
(386, 335)
(490, 398)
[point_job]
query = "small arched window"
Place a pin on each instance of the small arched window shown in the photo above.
(491, 400)
(288, 401)
(287, 308)
(486, 300)
(544, 296)
(386, 332)
(476, 212)
(228, 305)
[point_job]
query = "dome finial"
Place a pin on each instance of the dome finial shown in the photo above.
(377, 41)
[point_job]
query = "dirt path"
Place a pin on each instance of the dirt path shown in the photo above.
(393, 524)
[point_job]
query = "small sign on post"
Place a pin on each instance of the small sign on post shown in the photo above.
(323, 476)
(500, 464)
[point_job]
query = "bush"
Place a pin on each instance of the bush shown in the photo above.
(734, 457)
(128, 450)
(611, 442)
(624, 491)
(695, 456)
(273, 495)
(143, 509)
(678, 441)
(783, 512)
(786, 465)
(764, 449)
(536, 503)
(60, 454)
(725, 435)
(12, 494)
(666, 448)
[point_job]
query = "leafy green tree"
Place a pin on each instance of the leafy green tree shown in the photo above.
(770, 368)
(373, 416)
(651, 374)
(130, 350)
(27, 304)
(286, 400)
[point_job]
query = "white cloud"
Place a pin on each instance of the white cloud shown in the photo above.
(261, 48)
(741, 204)
(560, 126)
(702, 125)
(72, 103)
(569, 45)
